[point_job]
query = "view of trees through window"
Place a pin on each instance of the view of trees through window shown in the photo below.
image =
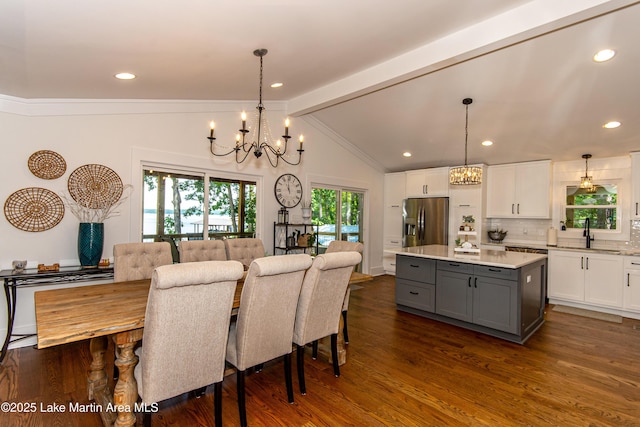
(338, 213)
(600, 206)
(173, 205)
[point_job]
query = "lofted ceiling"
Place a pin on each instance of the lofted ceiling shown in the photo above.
(384, 76)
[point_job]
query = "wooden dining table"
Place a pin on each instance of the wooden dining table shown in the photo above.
(115, 310)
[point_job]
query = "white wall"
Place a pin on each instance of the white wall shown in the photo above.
(122, 134)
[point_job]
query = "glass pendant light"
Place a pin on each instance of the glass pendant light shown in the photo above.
(465, 175)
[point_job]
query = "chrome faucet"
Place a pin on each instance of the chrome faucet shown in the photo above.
(587, 232)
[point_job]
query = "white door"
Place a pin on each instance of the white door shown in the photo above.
(566, 275)
(631, 293)
(501, 189)
(533, 190)
(603, 280)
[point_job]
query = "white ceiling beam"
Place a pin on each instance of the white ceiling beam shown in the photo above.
(522, 23)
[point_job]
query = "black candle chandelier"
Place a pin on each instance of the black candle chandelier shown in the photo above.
(261, 140)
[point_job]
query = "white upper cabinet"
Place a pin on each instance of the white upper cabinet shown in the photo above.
(394, 189)
(635, 185)
(427, 182)
(520, 190)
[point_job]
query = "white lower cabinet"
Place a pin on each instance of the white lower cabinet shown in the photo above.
(592, 278)
(631, 293)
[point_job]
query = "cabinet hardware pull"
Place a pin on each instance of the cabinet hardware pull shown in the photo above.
(628, 274)
(581, 263)
(475, 283)
(414, 293)
(512, 207)
(518, 208)
(464, 206)
(636, 208)
(635, 263)
(469, 281)
(395, 206)
(587, 263)
(453, 265)
(395, 241)
(426, 189)
(495, 269)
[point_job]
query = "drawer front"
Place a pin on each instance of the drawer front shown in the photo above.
(497, 272)
(458, 267)
(416, 295)
(416, 269)
(632, 262)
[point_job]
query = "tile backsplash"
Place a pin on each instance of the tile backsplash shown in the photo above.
(534, 232)
(521, 230)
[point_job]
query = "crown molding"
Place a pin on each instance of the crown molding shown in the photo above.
(81, 107)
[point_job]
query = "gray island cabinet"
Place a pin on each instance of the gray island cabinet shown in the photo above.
(501, 294)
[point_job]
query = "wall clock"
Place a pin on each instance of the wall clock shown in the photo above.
(288, 190)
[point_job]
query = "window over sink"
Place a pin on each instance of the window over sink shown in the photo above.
(599, 205)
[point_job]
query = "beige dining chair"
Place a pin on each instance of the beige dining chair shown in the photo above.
(244, 250)
(263, 330)
(185, 331)
(320, 303)
(202, 250)
(341, 246)
(136, 261)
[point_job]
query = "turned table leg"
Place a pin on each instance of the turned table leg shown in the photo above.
(125, 393)
(97, 382)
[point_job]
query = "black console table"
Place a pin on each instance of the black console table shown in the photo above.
(31, 277)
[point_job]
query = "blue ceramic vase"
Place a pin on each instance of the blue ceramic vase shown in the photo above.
(90, 242)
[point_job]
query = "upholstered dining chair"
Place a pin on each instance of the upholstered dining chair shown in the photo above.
(320, 303)
(202, 250)
(342, 246)
(136, 261)
(185, 331)
(244, 250)
(263, 329)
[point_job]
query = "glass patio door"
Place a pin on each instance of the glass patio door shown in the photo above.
(338, 213)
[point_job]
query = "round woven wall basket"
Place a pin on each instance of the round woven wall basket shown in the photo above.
(34, 209)
(47, 164)
(95, 186)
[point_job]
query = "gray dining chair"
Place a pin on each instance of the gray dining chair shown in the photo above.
(320, 303)
(342, 246)
(244, 250)
(202, 250)
(263, 330)
(185, 331)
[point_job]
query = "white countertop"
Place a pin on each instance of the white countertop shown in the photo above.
(492, 258)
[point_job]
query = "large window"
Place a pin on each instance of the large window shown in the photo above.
(599, 206)
(174, 207)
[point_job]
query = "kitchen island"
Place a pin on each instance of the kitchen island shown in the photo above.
(498, 293)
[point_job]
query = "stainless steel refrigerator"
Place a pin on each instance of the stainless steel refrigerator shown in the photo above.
(425, 221)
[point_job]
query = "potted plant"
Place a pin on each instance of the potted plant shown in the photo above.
(91, 227)
(468, 222)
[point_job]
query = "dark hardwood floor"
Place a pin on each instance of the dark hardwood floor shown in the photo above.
(401, 370)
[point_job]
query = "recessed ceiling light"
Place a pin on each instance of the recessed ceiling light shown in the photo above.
(125, 76)
(487, 143)
(406, 154)
(611, 125)
(277, 85)
(604, 55)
